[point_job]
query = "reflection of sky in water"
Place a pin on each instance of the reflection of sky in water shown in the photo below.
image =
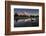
(30, 11)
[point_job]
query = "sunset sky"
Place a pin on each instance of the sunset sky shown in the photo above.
(28, 11)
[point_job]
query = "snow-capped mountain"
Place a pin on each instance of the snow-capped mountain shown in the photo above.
(28, 14)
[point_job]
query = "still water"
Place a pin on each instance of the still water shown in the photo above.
(26, 22)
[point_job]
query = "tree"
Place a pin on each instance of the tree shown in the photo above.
(15, 15)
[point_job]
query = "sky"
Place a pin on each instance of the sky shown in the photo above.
(29, 11)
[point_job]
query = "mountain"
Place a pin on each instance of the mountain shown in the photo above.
(26, 13)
